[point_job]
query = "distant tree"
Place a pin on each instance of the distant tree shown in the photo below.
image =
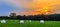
(13, 15)
(4, 17)
(24, 17)
(19, 17)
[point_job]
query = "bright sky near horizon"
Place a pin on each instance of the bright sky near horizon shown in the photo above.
(29, 7)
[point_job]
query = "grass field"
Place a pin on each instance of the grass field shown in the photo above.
(15, 23)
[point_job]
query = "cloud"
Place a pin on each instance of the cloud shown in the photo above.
(29, 7)
(34, 6)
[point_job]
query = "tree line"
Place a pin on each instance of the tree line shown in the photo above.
(54, 17)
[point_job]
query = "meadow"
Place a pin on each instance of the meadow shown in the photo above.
(27, 23)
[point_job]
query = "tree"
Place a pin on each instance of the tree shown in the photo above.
(13, 15)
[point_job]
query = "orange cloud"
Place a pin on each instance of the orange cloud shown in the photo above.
(38, 6)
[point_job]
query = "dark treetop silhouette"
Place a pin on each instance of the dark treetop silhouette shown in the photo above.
(13, 16)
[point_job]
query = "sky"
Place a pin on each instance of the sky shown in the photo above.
(29, 7)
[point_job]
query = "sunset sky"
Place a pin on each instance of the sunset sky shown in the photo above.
(29, 7)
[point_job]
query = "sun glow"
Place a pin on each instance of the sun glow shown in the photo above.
(35, 7)
(46, 10)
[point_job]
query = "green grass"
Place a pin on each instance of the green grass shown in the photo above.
(15, 23)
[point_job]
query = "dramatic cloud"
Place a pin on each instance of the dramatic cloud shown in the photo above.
(31, 7)
(39, 6)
